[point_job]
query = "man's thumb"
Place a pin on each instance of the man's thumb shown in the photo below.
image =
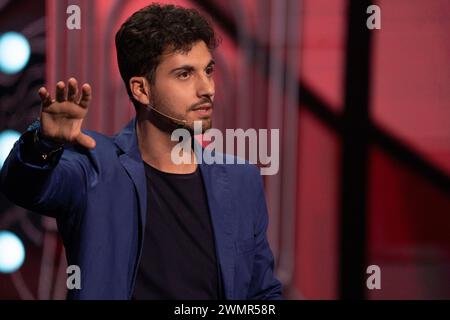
(85, 141)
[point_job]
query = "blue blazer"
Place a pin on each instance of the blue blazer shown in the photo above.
(99, 199)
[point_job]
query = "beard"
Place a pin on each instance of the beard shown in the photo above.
(168, 121)
(206, 125)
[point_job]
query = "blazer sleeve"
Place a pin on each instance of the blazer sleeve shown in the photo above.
(263, 285)
(52, 189)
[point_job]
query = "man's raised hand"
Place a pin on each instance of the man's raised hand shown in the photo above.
(61, 118)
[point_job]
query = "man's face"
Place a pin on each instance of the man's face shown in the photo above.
(184, 85)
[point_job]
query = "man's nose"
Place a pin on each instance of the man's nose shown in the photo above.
(205, 87)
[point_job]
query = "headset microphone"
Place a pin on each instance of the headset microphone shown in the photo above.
(180, 122)
(165, 122)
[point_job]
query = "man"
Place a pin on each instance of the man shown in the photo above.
(138, 225)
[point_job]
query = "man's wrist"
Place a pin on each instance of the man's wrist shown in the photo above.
(46, 143)
(40, 149)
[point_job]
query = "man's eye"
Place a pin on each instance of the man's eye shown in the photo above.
(209, 70)
(183, 75)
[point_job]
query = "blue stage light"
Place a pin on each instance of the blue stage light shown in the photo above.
(14, 52)
(12, 252)
(7, 140)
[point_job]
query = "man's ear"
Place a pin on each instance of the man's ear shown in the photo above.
(140, 89)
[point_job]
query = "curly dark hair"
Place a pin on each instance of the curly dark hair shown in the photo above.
(149, 32)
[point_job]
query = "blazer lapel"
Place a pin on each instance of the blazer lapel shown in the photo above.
(131, 160)
(220, 206)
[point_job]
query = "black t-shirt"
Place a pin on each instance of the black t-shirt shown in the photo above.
(178, 256)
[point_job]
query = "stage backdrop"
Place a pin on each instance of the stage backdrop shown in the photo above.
(364, 123)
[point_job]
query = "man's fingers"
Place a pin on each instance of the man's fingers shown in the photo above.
(60, 91)
(73, 90)
(85, 141)
(45, 97)
(86, 95)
